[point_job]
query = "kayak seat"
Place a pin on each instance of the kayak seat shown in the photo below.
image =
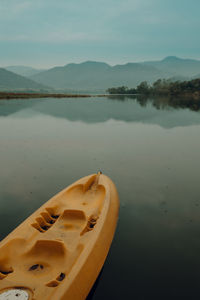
(73, 219)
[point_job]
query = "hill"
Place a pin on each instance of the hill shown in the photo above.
(12, 81)
(197, 76)
(177, 66)
(97, 75)
(100, 76)
(23, 70)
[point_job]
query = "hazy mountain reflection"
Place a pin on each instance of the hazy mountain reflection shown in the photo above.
(95, 110)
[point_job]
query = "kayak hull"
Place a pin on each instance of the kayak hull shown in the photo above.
(58, 252)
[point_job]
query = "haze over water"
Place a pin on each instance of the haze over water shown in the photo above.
(152, 155)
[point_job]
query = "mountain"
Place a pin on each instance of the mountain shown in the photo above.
(180, 78)
(93, 76)
(23, 70)
(97, 75)
(176, 66)
(12, 81)
(196, 76)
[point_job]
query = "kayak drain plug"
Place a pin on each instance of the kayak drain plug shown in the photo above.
(14, 294)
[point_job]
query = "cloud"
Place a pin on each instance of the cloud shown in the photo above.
(56, 37)
(110, 29)
(14, 8)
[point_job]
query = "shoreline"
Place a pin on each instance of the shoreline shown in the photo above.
(16, 95)
(5, 95)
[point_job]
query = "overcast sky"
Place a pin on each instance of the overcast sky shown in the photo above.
(44, 33)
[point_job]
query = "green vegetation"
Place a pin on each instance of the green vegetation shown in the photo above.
(162, 87)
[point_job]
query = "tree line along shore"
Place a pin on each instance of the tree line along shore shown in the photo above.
(162, 87)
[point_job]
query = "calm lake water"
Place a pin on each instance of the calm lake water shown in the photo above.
(152, 155)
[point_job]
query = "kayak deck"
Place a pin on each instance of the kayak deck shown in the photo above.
(58, 252)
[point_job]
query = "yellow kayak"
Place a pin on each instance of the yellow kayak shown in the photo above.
(58, 252)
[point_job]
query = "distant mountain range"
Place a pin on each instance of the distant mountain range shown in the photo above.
(96, 76)
(99, 76)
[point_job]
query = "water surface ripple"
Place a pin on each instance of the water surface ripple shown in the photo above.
(153, 156)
